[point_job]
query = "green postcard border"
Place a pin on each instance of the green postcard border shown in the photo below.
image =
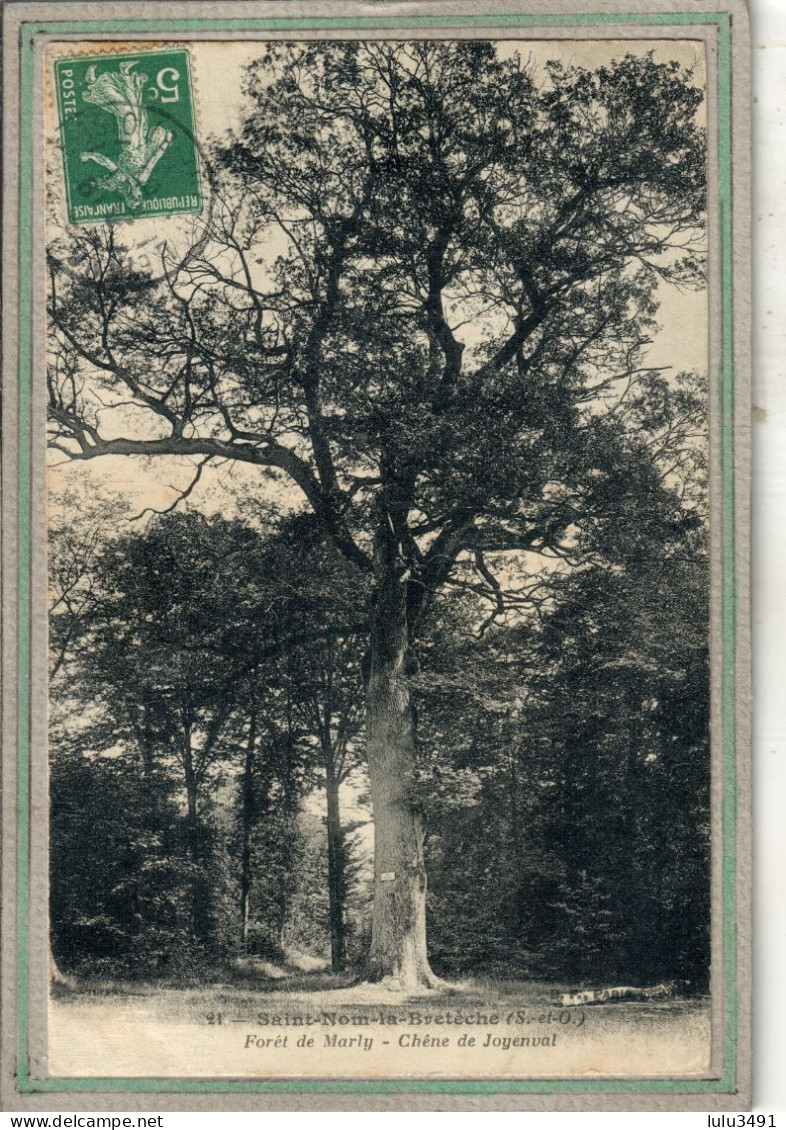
(726, 1083)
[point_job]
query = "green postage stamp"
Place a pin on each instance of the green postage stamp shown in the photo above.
(128, 136)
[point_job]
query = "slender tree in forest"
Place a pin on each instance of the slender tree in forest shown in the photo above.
(330, 700)
(428, 284)
(319, 668)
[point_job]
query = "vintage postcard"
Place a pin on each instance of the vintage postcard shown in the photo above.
(375, 535)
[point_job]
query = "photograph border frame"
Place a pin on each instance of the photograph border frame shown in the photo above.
(731, 515)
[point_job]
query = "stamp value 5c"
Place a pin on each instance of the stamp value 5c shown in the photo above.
(128, 136)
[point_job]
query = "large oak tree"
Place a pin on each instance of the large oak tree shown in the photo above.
(424, 300)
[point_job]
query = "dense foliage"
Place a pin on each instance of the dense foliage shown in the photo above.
(578, 804)
(563, 762)
(423, 303)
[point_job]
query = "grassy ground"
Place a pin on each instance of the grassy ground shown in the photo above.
(308, 994)
(257, 1029)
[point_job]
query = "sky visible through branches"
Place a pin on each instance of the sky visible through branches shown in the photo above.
(679, 343)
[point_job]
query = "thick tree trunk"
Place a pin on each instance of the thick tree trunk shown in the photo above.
(398, 939)
(337, 880)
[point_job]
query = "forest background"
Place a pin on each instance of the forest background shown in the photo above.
(208, 733)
